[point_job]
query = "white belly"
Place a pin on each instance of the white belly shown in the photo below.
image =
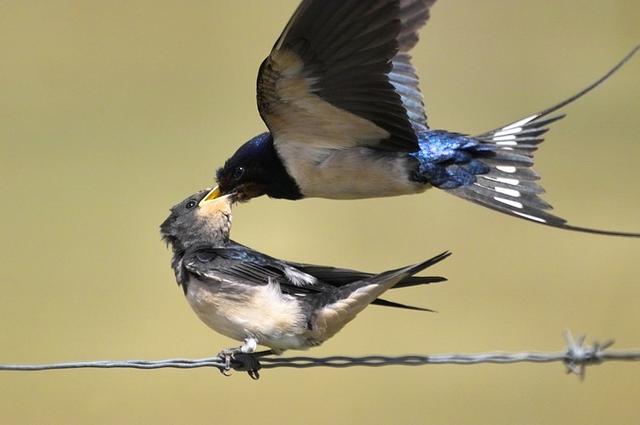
(264, 313)
(354, 173)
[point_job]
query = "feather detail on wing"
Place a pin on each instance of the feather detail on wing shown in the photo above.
(242, 265)
(340, 76)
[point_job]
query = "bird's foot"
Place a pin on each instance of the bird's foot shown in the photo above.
(241, 359)
(249, 363)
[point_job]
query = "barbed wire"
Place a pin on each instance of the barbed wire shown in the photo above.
(576, 357)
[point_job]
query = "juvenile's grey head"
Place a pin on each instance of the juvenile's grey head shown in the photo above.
(201, 219)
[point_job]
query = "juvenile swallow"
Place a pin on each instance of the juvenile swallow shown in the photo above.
(346, 120)
(261, 300)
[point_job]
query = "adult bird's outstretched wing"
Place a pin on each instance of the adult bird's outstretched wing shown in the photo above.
(340, 76)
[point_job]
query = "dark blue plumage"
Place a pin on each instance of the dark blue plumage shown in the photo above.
(257, 167)
(448, 160)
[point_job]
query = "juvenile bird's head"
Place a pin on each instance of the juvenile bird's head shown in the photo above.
(255, 170)
(204, 218)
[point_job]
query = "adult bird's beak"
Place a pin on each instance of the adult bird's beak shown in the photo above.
(213, 194)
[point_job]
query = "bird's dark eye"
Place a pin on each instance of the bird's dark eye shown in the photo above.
(238, 173)
(191, 204)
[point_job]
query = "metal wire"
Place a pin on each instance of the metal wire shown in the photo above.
(575, 357)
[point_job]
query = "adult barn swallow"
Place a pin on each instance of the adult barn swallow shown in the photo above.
(261, 300)
(346, 120)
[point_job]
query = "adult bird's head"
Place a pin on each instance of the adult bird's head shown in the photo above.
(203, 218)
(255, 170)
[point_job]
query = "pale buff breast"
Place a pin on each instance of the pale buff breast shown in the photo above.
(353, 173)
(261, 312)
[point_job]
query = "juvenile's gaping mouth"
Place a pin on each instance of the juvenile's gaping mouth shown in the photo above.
(213, 194)
(241, 193)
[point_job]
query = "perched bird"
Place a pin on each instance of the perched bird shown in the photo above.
(260, 300)
(346, 120)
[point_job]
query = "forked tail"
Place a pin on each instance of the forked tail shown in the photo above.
(506, 181)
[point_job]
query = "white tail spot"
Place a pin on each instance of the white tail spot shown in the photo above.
(509, 192)
(505, 180)
(510, 137)
(509, 202)
(506, 168)
(510, 131)
(530, 217)
(520, 123)
(513, 182)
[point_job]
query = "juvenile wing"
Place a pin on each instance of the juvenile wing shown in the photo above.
(247, 267)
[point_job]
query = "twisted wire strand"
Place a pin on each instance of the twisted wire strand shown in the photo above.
(110, 364)
(575, 357)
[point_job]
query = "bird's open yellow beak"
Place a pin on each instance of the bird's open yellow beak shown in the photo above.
(214, 194)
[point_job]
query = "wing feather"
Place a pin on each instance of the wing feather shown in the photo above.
(346, 62)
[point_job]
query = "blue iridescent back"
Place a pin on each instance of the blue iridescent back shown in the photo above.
(449, 160)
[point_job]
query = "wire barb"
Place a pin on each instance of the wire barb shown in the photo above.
(579, 356)
(576, 357)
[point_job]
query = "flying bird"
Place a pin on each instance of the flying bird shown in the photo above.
(260, 300)
(346, 120)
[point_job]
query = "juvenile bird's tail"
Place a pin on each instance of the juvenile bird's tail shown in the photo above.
(340, 277)
(510, 185)
(339, 307)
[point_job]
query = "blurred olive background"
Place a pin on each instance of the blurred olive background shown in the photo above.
(110, 112)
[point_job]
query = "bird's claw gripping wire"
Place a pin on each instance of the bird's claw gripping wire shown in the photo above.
(235, 359)
(247, 363)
